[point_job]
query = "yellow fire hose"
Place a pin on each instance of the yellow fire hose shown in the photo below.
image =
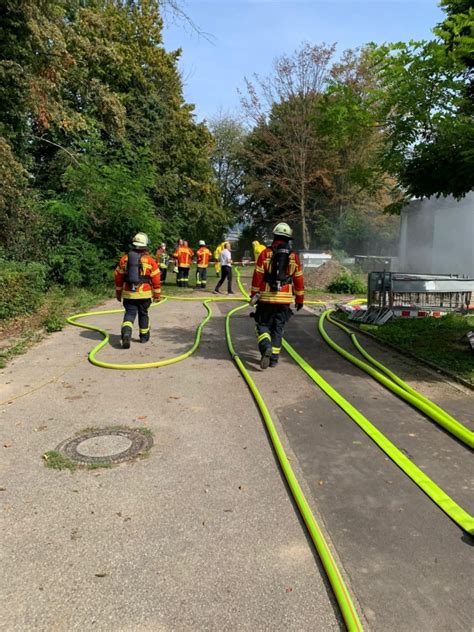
(338, 585)
(341, 593)
(144, 365)
(459, 515)
(454, 511)
(395, 384)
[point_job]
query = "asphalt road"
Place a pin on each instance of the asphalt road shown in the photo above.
(203, 535)
(409, 565)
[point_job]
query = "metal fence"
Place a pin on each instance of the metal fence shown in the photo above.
(415, 291)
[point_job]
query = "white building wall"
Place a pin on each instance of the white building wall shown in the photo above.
(437, 236)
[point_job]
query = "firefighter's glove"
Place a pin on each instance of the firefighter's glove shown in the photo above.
(299, 306)
(118, 296)
(156, 299)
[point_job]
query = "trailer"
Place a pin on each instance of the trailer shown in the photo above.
(404, 295)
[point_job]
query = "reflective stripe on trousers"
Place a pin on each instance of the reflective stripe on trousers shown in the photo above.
(134, 307)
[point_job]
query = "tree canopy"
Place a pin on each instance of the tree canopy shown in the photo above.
(426, 103)
(97, 141)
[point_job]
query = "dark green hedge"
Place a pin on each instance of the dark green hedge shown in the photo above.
(347, 283)
(22, 287)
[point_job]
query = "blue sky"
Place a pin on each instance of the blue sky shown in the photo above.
(245, 36)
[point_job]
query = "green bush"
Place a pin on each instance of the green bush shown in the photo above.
(22, 287)
(54, 318)
(347, 283)
(79, 263)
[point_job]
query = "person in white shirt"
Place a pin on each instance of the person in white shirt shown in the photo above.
(226, 269)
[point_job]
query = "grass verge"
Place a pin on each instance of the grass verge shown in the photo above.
(58, 303)
(441, 341)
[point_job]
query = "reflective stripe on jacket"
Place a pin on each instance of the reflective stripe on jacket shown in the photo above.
(149, 268)
(203, 255)
(183, 255)
(293, 291)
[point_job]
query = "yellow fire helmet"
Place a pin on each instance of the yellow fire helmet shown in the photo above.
(140, 240)
(283, 230)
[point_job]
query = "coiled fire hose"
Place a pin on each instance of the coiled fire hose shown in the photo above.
(341, 593)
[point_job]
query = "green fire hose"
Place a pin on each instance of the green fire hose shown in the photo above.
(341, 593)
(459, 515)
(454, 511)
(144, 365)
(395, 384)
(344, 600)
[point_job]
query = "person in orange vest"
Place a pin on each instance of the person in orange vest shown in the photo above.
(183, 256)
(203, 255)
(175, 257)
(137, 281)
(277, 282)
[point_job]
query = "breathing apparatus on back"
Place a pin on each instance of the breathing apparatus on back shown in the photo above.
(134, 276)
(277, 275)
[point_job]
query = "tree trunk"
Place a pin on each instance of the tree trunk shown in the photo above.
(304, 227)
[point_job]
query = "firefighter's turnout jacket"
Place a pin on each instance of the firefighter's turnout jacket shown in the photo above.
(183, 256)
(148, 268)
(203, 256)
(163, 258)
(293, 291)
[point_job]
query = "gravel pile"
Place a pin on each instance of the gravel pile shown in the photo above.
(320, 278)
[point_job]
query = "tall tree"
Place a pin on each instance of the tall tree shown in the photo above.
(93, 112)
(346, 120)
(331, 167)
(283, 147)
(426, 101)
(229, 137)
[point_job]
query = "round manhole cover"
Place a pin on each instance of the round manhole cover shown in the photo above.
(106, 446)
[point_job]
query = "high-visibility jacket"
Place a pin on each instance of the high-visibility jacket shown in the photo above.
(162, 258)
(217, 253)
(257, 249)
(203, 255)
(183, 256)
(293, 291)
(148, 268)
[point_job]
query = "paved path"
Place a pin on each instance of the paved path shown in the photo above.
(409, 566)
(202, 535)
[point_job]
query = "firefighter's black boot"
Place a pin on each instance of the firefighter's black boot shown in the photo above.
(265, 359)
(126, 341)
(273, 362)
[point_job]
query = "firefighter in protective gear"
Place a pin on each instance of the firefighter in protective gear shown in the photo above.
(203, 255)
(183, 256)
(162, 258)
(257, 249)
(137, 282)
(277, 282)
(175, 258)
(217, 257)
